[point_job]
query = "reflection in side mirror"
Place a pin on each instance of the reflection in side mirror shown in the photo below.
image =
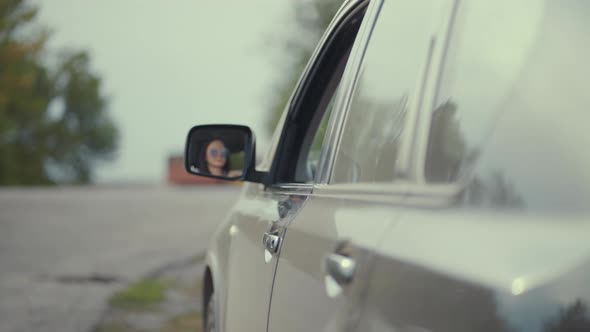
(219, 151)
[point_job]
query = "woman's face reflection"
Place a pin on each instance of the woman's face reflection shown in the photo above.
(216, 154)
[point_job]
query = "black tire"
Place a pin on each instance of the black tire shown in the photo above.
(210, 323)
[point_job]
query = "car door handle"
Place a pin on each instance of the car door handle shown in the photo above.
(271, 242)
(341, 268)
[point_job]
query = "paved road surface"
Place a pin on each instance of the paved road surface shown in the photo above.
(51, 240)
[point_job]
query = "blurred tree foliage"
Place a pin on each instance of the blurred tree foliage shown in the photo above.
(572, 318)
(54, 124)
(311, 20)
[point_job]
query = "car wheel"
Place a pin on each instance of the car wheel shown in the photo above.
(210, 318)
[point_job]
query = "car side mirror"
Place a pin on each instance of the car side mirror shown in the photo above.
(224, 152)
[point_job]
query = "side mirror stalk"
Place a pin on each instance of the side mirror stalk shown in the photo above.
(257, 177)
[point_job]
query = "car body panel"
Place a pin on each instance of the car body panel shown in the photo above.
(305, 297)
(248, 263)
(465, 271)
(505, 247)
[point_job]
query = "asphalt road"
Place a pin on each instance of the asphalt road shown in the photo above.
(64, 251)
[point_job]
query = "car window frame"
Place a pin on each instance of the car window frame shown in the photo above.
(345, 13)
(412, 146)
(420, 188)
(343, 96)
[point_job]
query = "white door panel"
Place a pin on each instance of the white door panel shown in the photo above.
(249, 276)
(306, 297)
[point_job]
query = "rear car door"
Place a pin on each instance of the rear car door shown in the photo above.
(327, 255)
(494, 232)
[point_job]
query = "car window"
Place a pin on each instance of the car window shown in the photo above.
(511, 120)
(306, 121)
(316, 131)
(387, 90)
(484, 60)
(313, 157)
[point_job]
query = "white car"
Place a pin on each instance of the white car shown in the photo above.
(430, 173)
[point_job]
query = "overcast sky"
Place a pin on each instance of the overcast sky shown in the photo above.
(168, 65)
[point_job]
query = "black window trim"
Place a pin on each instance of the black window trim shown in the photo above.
(347, 12)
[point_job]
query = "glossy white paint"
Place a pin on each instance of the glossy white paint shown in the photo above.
(304, 296)
(515, 252)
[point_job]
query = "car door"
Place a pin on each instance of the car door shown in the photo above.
(494, 233)
(327, 256)
(259, 219)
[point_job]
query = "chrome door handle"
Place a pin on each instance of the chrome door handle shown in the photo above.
(271, 242)
(340, 268)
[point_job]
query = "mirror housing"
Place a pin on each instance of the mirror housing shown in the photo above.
(226, 152)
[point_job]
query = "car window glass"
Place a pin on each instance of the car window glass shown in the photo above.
(308, 164)
(487, 50)
(312, 143)
(515, 130)
(316, 146)
(386, 91)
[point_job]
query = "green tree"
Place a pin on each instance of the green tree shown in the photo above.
(311, 20)
(54, 124)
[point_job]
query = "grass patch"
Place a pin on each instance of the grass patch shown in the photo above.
(193, 289)
(142, 294)
(116, 327)
(189, 322)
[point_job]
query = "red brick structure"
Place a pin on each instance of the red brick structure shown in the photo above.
(178, 175)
